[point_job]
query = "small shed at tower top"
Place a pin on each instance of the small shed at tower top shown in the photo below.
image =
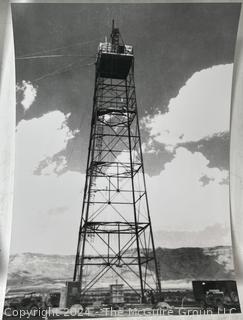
(114, 58)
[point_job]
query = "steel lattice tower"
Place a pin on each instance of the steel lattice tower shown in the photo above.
(115, 235)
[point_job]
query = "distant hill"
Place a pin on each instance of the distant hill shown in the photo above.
(196, 263)
(35, 270)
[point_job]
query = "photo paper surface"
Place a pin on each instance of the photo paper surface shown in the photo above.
(121, 201)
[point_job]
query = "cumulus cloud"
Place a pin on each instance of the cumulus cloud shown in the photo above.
(38, 225)
(41, 138)
(29, 93)
(180, 201)
(201, 109)
(190, 193)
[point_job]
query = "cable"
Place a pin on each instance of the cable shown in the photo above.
(60, 48)
(51, 56)
(60, 70)
(55, 72)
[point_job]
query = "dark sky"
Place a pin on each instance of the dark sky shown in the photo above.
(171, 42)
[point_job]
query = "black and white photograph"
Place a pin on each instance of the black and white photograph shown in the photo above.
(121, 187)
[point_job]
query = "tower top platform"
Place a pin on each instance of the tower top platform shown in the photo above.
(107, 47)
(114, 61)
(114, 58)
